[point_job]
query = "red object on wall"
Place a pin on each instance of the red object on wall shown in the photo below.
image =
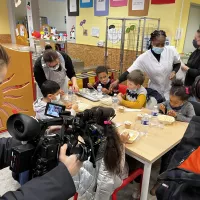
(162, 1)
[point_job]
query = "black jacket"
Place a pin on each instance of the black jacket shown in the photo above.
(39, 72)
(194, 67)
(180, 182)
(56, 184)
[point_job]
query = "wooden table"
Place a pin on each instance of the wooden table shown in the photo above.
(148, 149)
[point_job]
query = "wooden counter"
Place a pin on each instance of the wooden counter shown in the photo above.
(17, 91)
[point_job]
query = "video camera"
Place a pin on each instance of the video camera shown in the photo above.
(39, 151)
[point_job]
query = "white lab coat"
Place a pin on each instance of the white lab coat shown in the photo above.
(158, 72)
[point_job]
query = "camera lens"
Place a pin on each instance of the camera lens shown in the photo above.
(19, 126)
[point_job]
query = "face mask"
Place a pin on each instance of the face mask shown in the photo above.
(57, 99)
(133, 91)
(194, 42)
(158, 50)
(176, 108)
(54, 68)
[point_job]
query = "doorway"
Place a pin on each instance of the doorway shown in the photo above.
(193, 25)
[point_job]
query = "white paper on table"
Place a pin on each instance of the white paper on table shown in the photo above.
(138, 4)
(101, 5)
(17, 32)
(73, 6)
(95, 32)
(132, 110)
(86, 1)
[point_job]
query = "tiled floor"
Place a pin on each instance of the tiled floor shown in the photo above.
(8, 184)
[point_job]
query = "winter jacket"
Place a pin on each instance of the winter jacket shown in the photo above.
(98, 183)
(182, 179)
(39, 107)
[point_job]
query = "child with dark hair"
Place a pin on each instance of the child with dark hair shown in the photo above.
(100, 182)
(104, 80)
(135, 96)
(178, 105)
(51, 93)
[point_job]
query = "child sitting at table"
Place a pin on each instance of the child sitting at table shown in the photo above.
(51, 93)
(100, 182)
(104, 80)
(136, 94)
(178, 105)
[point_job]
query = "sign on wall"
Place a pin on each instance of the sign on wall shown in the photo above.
(162, 1)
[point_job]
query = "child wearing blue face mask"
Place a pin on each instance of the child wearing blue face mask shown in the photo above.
(135, 96)
(178, 105)
(51, 93)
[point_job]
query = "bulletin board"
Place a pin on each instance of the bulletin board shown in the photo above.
(143, 12)
(17, 91)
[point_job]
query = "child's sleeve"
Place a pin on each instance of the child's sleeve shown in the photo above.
(187, 116)
(165, 104)
(138, 104)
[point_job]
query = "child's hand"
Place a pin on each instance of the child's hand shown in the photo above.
(75, 107)
(68, 105)
(105, 91)
(124, 137)
(89, 85)
(172, 113)
(162, 108)
(119, 96)
(62, 92)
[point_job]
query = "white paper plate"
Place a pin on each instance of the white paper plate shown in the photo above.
(133, 135)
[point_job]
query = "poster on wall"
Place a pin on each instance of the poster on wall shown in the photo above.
(162, 1)
(118, 3)
(73, 7)
(71, 29)
(138, 4)
(101, 7)
(30, 22)
(138, 7)
(86, 3)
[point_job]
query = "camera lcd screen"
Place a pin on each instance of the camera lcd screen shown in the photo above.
(53, 110)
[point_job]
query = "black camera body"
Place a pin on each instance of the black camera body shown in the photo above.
(40, 151)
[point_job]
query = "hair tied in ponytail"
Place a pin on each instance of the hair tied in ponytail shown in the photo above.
(187, 91)
(107, 122)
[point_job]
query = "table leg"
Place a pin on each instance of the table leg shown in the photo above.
(145, 181)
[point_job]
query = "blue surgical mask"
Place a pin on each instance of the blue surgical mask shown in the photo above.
(158, 50)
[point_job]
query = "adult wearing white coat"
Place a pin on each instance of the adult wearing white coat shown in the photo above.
(160, 63)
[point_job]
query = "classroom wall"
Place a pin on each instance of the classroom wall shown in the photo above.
(55, 12)
(155, 11)
(184, 20)
(193, 24)
(168, 13)
(5, 36)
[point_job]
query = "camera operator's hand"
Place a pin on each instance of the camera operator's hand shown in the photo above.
(71, 162)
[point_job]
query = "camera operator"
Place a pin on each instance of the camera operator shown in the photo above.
(56, 184)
